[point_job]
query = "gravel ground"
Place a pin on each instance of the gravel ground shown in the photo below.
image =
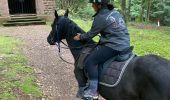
(54, 76)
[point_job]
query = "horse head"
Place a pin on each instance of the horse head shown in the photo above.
(64, 28)
(58, 28)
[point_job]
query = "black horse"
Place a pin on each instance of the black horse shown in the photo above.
(146, 77)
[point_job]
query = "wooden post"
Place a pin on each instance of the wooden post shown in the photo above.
(158, 23)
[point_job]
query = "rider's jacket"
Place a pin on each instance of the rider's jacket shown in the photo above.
(111, 26)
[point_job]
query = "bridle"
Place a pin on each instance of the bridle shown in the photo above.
(67, 47)
(59, 46)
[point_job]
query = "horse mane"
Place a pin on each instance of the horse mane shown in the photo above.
(75, 26)
(74, 29)
(70, 30)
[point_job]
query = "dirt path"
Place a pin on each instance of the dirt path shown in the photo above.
(54, 76)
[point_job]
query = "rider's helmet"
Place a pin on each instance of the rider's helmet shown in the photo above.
(104, 3)
(100, 1)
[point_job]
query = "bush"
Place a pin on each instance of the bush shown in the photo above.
(162, 12)
(85, 13)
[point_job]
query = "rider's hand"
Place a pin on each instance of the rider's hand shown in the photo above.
(77, 37)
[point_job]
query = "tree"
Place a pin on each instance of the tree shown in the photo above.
(142, 11)
(123, 8)
(129, 9)
(135, 9)
(148, 9)
(161, 11)
(73, 5)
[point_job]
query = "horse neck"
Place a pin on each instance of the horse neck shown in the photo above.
(71, 30)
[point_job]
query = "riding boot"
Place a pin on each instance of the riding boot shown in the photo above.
(80, 92)
(91, 91)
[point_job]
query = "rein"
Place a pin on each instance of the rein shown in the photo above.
(67, 47)
(59, 52)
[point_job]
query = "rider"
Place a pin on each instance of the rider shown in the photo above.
(114, 39)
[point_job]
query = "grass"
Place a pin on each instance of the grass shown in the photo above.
(17, 80)
(151, 40)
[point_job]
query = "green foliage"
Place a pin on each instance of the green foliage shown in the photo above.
(161, 10)
(116, 3)
(135, 8)
(29, 87)
(73, 5)
(85, 12)
(7, 46)
(16, 78)
(8, 96)
(85, 25)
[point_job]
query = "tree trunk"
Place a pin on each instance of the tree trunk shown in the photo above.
(142, 11)
(129, 8)
(148, 10)
(123, 8)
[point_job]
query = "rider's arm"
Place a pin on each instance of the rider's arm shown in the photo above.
(96, 28)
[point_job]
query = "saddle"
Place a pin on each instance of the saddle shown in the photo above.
(112, 70)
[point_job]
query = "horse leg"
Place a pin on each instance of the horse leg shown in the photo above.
(80, 77)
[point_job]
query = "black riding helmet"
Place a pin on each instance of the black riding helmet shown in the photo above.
(104, 3)
(100, 1)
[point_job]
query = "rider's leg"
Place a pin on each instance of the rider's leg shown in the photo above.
(98, 56)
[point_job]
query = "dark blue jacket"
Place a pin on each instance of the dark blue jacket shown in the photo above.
(111, 26)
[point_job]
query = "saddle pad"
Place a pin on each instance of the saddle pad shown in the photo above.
(112, 72)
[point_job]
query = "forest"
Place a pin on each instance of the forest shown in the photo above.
(150, 11)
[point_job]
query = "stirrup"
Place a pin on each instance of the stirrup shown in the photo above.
(88, 98)
(91, 96)
(80, 92)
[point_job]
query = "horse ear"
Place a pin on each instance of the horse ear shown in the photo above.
(56, 14)
(66, 13)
